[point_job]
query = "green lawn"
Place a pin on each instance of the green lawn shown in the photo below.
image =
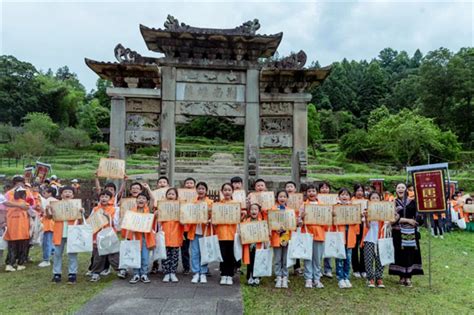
(452, 291)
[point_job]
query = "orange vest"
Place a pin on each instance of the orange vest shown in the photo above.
(225, 232)
(275, 238)
(149, 237)
(192, 227)
(246, 247)
(173, 233)
(318, 231)
(108, 210)
(18, 224)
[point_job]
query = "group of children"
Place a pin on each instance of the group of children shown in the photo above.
(24, 203)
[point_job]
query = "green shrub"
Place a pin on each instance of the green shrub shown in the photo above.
(73, 138)
(41, 122)
(150, 151)
(100, 147)
(33, 144)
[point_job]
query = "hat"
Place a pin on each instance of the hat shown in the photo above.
(18, 178)
(74, 181)
(28, 185)
(19, 188)
(54, 177)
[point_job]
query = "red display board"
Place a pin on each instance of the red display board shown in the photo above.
(430, 192)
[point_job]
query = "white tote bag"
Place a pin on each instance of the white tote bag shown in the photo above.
(107, 242)
(159, 253)
(301, 246)
(263, 262)
(209, 249)
(237, 247)
(79, 238)
(3, 242)
(36, 231)
(130, 255)
(385, 247)
(334, 245)
(461, 224)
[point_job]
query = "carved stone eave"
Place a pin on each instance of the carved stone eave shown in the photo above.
(207, 45)
(291, 80)
(131, 75)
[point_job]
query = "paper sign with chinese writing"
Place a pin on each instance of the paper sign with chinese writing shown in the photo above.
(266, 199)
(192, 213)
(318, 214)
(159, 194)
(66, 210)
(126, 204)
(468, 208)
(187, 195)
(295, 201)
(381, 211)
(111, 168)
(429, 191)
(327, 199)
(138, 222)
(362, 202)
(240, 196)
(254, 232)
(347, 214)
(226, 213)
(285, 219)
(168, 210)
(97, 220)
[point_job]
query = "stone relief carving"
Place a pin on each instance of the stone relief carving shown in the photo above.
(252, 161)
(211, 76)
(276, 141)
(247, 28)
(271, 125)
(142, 137)
(143, 121)
(276, 108)
(226, 109)
(210, 92)
(293, 61)
(143, 105)
(123, 54)
(302, 165)
(164, 161)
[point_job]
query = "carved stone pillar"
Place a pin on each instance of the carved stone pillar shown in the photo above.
(117, 127)
(252, 127)
(167, 119)
(300, 143)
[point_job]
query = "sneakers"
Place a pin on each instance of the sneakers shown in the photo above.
(56, 278)
(348, 284)
(71, 278)
(173, 278)
(203, 278)
(105, 272)
(167, 278)
(186, 272)
(95, 277)
(380, 284)
(44, 263)
(195, 278)
(371, 284)
(357, 274)
(223, 280)
(250, 281)
(229, 281)
(441, 237)
(342, 284)
(328, 274)
(89, 273)
(308, 284)
(134, 279)
(278, 282)
(318, 284)
(256, 281)
(10, 268)
(122, 274)
(20, 267)
(145, 279)
(284, 283)
(364, 274)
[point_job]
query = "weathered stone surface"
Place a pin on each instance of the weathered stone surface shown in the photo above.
(210, 76)
(117, 124)
(143, 105)
(207, 108)
(142, 137)
(143, 121)
(272, 125)
(276, 108)
(210, 92)
(276, 141)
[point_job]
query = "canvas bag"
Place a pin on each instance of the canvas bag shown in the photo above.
(263, 262)
(385, 247)
(36, 231)
(237, 247)
(107, 241)
(461, 224)
(3, 243)
(301, 246)
(79, 238)
(334, 245)
(159, 253)
(130, 254)
(209, 249)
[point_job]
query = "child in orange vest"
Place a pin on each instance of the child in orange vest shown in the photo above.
(189, 183)
(48, 224)
(174, 240)
(249, 250)
(279, 242)
(357, 259)
(18, 231)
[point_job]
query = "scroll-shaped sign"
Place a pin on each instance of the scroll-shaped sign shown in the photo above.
(254, 232)
(126, 204)
(266, 199)
(193, 213)
(327, 199)
(347, 214)
(97, 220)
(66, 210)
(318, 214)
(285, 219)
(159, 194)
(362, 202)
(226, 213)
(138, 222)
(381, 211)
(295, 201)
(468, 208)
(111, 168)
(168, 210)
(187, 195)
(240, 196)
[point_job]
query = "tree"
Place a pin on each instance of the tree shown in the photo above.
(73, 138)
(314, 134)
(40, 123)
(89, 117)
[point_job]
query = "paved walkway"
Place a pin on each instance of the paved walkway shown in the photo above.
(158, 297)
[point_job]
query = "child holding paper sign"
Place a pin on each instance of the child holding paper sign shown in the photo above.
(325, 188)
(357, 259)
(248, 250)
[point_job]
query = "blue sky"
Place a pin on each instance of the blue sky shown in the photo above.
(56, 33)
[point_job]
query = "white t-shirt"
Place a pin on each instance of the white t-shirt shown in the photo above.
(373, 234)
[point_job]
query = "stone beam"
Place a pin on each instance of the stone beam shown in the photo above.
(252, 127)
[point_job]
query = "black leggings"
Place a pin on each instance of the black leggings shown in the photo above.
(17, 252)
(227, 252)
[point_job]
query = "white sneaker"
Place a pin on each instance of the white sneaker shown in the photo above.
(342, 284)
(256, 281)
(364, 275)
(195, 278)
(229, 281)
(174, 278)
(44, 263)
(308, 284)
(328, 274)
(318, 284)
(348, 284)
(20, 267)
(105, 272)
(250, 281)
(435, 236)
(441, 237)
(10, 268)
(89, 273)
(203, 278)
(278, 282)
(223, 280)
(167, 278)
(284, 283)
(357, 274)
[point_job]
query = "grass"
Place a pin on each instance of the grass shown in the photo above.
(32, 292)
(451, 293)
